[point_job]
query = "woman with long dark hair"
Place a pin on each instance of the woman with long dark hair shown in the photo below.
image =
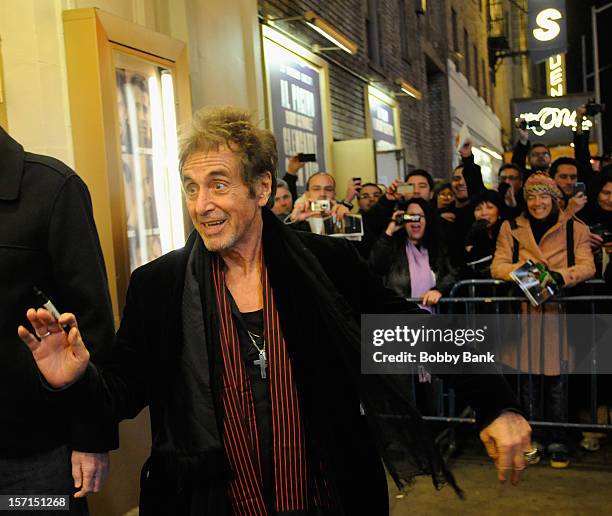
(410, 256)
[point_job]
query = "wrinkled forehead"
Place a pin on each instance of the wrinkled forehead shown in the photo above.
(228, 156)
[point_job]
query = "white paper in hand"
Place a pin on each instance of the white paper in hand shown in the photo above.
(462, 137)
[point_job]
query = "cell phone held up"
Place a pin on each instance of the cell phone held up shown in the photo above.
(579, 187)
(405, 189)
(306, 158)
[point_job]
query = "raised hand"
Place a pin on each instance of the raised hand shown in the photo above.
(61, 358)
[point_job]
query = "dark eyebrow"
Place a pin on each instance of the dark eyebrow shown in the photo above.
(214, 174)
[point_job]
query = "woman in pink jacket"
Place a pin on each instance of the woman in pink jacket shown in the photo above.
(542, 234)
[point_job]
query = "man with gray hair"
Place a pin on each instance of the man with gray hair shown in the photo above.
(245, 345)
(283, 201)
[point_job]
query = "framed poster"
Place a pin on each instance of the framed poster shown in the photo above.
(128, 89)
(297, 103)
(382, 119)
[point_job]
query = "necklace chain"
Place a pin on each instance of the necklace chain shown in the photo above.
(254, 336)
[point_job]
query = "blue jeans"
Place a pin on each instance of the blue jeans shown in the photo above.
(45, 473)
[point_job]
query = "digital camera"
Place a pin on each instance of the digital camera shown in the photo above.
(321, 205)
(404, 218)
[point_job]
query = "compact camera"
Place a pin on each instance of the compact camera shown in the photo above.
(404, 218)
(321, 205)
(592, 108)
(521, 123)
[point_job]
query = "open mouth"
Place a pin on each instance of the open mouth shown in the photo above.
(213, 226)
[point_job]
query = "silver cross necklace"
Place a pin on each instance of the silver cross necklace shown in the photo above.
(262, 361)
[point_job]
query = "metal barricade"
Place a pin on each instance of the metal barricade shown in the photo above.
(496, 297)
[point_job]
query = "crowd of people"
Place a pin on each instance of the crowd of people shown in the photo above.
(245, 343)
(422, 237)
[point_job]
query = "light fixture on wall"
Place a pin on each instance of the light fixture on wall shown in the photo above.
(408, 90)
(315, 22)
(492, 153)
(421, 7)
(318, 24)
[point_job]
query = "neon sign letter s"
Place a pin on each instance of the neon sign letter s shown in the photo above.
(549, 28)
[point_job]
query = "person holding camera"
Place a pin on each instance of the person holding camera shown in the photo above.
(318, 201)
(565, 173)
(410, 256)
(510, 186)
(538, 154)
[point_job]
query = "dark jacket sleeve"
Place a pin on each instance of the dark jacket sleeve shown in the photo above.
(488, 394)
(381, 255)
(447, 275)
(291, 181)
(472, 175)
(519, 154)
(78, 269)
(375, 222)
(583, 156)
(120, 390)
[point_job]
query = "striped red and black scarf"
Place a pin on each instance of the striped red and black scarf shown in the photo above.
(240, 436)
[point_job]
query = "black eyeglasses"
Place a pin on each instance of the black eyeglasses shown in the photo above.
(370, 196)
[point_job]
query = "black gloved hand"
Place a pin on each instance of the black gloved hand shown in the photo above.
(477, 231)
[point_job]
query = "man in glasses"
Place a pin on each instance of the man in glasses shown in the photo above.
(536, 155)
(368, 197)
(510, 186)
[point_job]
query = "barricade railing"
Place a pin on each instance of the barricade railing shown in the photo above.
(498, 293)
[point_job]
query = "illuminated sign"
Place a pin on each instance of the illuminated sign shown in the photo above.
(555, 75)
(548, 28)
(547, 32)
(296, 105)
(556, 116)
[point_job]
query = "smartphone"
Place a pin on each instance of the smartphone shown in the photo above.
(405, 189)
(579, 187)
(305, 158)
(607, 237)
(357, 183)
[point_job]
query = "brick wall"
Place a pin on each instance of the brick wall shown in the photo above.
(425, 124)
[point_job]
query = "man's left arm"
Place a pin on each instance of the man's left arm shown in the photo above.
(81, 284)
(503, 430)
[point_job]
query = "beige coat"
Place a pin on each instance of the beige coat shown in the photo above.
(548, 332)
